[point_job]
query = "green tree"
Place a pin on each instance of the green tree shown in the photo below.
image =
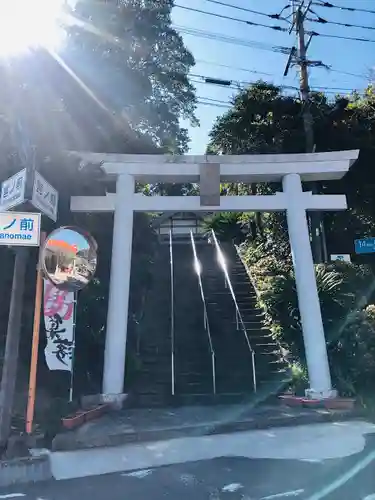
(128, 54)
(263, 119)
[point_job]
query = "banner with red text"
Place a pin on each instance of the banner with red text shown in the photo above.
(59, 318)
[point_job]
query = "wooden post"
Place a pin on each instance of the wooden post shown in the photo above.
(35, 341)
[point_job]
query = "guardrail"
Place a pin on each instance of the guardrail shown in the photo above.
(239, 320)
(172, 313)
(197, 266)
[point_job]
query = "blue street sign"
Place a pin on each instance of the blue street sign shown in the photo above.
(366, 245)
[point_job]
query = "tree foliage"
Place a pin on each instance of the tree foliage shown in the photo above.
(263, 119)
(119, 84)
(143, 65)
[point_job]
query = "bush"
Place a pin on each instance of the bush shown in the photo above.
(352, 355)
(349, 323)
(228, 226)
(299, 381)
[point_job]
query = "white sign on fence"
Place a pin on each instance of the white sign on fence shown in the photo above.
(13, 191)
(343, 257)
(45, 197)
(59, 313)
(19, 229)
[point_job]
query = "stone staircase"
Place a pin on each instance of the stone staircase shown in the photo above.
(153, 386)
(193, 365)
(271, 368)
(192, 354)
(233, 357)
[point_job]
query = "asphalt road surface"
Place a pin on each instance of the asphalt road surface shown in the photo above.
(230, 478)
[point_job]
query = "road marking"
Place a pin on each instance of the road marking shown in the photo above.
(231, 488)
(140, 474)
(294, 493)
(13, 495)
(370, 497)
(362, 464)
(188, 479)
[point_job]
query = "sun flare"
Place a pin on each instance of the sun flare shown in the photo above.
(26, 24)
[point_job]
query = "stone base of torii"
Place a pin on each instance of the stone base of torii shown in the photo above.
(209, 171)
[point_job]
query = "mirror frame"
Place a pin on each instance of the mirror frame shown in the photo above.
(89, 238)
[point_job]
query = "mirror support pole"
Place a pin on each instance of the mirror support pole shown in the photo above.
(35, 340)
(117, 318)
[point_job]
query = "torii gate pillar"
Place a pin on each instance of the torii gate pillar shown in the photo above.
(117, 316)
(291, 170)
(308, 299)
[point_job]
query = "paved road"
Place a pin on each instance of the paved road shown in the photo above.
(232, 478)
(326, 461)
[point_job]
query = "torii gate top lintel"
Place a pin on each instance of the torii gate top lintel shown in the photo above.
(233, 168)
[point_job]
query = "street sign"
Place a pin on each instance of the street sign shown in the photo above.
(19, 229)
(343, 257)
(367, 245)
(13, 191)
(45, 197)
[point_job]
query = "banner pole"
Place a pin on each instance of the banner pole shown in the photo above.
(35, 341)
(74, 348)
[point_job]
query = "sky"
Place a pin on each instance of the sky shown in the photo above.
(347, 56)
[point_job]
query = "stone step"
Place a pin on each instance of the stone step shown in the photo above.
(227, 293)
(211, 399)
(191, 387)
(270, 345)
(247, 323)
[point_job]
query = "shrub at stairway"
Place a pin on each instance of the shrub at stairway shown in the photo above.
(345, 291)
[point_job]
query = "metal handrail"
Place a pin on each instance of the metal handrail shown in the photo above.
(239, 320)
(172, 313)
(197, 266)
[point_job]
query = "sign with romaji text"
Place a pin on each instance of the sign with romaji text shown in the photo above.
(45, 197)
(20, 229)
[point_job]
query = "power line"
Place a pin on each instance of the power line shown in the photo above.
(232, 40)
(201, 61)
(320, 3)
(341, 37)
(246, 43)
(218, 104)
(246, 9)
(278, 16)
(238, 84)
(321, 20)
(207, 101)
(249, 44)
(237, 19)
(275, 28)
(343, 72)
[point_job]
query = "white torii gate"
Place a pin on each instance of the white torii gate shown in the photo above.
(209, 171)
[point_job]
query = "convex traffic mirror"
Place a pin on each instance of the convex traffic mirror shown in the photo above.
(69, 257)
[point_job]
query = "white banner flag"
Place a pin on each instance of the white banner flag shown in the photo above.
(59, 314)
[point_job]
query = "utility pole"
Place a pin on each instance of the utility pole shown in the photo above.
(308, 122)
(304, 81)
(9, 371)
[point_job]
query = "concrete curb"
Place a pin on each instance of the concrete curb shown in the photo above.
(25, 470)
(70, 442)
